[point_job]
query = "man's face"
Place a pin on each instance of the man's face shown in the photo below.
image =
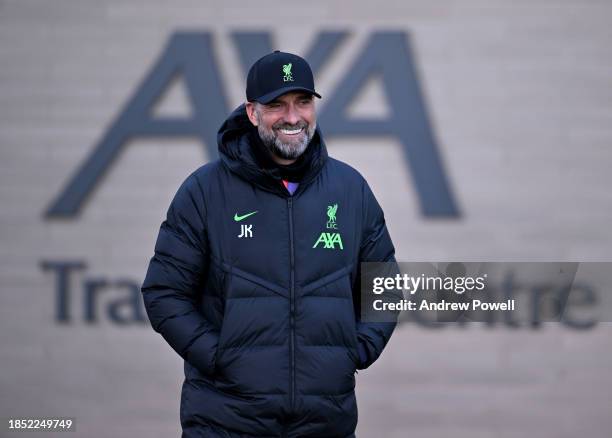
(286, 125)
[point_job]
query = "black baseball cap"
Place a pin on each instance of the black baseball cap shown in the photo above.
(278, 73)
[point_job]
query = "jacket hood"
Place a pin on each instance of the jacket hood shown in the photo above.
(236, 153)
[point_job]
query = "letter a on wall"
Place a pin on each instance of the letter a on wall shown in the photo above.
(189, 55)
(388, 55)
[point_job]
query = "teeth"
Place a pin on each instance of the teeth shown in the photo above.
(291, 131)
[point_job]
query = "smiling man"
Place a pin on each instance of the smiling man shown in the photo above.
(286, 125)
(254, 281)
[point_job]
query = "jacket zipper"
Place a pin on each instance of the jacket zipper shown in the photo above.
(292, 304)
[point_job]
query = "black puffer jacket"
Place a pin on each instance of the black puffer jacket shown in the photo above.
(267, 323)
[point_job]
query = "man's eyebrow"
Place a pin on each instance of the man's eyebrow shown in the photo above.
(299, 96)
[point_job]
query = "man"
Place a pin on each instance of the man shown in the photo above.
(254, 281)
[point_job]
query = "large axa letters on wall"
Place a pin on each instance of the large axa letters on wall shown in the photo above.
(190, 56)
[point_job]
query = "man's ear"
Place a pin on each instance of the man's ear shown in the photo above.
(250, 110)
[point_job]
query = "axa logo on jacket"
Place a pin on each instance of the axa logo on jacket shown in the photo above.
(329, 240)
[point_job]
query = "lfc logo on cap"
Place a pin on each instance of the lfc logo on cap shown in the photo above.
(287, 71)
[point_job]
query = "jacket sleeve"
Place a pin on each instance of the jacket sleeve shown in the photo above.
(376, 246)
(174, 280)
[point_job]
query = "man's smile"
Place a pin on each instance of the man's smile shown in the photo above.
(291, 131)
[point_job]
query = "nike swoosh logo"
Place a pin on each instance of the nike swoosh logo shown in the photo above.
(244, 216)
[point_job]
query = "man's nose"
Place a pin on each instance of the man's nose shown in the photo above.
(291, 115)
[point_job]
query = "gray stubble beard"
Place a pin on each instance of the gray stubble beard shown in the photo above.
(287, 151)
